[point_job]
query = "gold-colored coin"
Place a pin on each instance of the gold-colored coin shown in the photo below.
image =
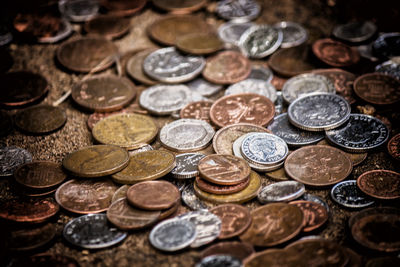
(278, 174)
(199, 43)
(356, 158)
(148, 165)
(246, 194)
(130, 131)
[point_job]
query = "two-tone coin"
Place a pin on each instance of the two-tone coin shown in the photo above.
(284, 191)
(186, 165)
(293, 34)
(260, 41)
(254, 86)
(347, 194)
(238, 11)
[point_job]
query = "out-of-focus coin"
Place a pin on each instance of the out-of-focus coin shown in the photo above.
(387, 45)
(40, 174)
(186, 165)
(11, 157)
(6, 60)
(335, 53)
(107, 26)
(199, 43)
(120, 193)
(390, 67)
(260, 41)
(394, 146)
(235, 219)
(35, 192)
(219, 260)
(92, 231)
(261, 72)
(170, 212)
(238, 11)
(293, 33)
(278, 82)
(383, 261)
(199, 110)
(356, 158)
(355, 260)
(123, 7)
(254, 86)
(206, 186)
(230, 32)
(203, 87)
(134, 67)
(272, 257)
(191, 200)
(227, 67)
(278, 174)
(86, 196)
(179, 6)
(347, 194)
(78, 10)
(144, 166)
(96, 161)
(238, 249)
(248, 108)
(281, 192)
(316, 199)
(315, 215)
(45, 259)
(140, 150)
(355, 32)
(30, 238)
(381, 184)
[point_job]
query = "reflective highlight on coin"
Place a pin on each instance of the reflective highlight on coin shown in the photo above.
(186, 165)
(254, 86)
(260, 41)
(347, 194)
(281, 192)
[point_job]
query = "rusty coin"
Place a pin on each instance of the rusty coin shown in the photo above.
(220, 189)
(179, 6)
(315, 215)
(134, 67)
(235, 219)
(394, 146)
(199, 110)
(30, 238)
(381, 184)
(238, 249)
(107, 26)
(123, 7)
(199, 43)
(335, 53)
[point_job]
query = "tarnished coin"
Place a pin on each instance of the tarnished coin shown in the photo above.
(381, 184)
(361, 133)
(260, 41)
(261, 72)
(318, 165)
(206, 186)
(29, 238)
(203, 87)
(347, 194)
(315, 215)
(235, 219)
(254, 86)
(390, 67)
(129, 131)
(191, 200)
(199, 43)
(219, 260)
(186, 135)
(179, 6)
(393, 146)
(335, 53)
(356, 158)
(238, 11)
(227, 67)
(319, 111)
(248, 108)
(96, 161)
(281, 192)
(199, 110)
(186, 165)
(78, 10)
(123, 7)
(273, 224)
(11, 157)
(355, 32)
(134, 67)
(238, 249)
(293, 34)
(120, 193)
(108, 26)
(92, 231)
(86, 196)
(230, 32)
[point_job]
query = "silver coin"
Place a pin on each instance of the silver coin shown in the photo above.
(260, 41)
(307, 83)
(92, 231)
(11, 157)
(140, 150)
(180, 184)
(186, 165)
(319, 111)
(293, 33)
(261, 73)
(347, 194)
(173, 234)
(279, 103)
(208, 226)
(238, 11)
(203, 87)
(219, 260)
(316, 199)
(230, 32)
(281, 191)
(355, 32)
(64, 31)
(390, 67)
(292, 135)
(191, 200)
(186, 135)
(367, 52)
(360, 134)
(120, 193)
(78, 10)
(387, 45)
(264, 148)
(6, 38)
(169, 66)
(253, 86)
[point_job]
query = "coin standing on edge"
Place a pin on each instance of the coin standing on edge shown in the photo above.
(347, 194)
(260, 41)
(11, 157)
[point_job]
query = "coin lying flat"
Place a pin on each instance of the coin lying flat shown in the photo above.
(135, 70)
(238, 11)
(386, 45)
(108, 26)
(179, 6)
(254, 86)
(356, 157)
(347, 194)
(272, 257)
(381, 184)
(278, 174)
(293, 34)
(6, 124)
(219, 260)
(315, 215)
(120, 193)
(186, 165)
(78, 10)
(123, 8)
(199, 110)
(203, 87)
(335, 53)
(30, 238)
(230, 32)
(238, 249)
(206, 186)
(11, 157)
(281, 192)
(199, 43)
(355, 32)
(260, 41)
(235, 219)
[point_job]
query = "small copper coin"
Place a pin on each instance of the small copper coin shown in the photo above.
(153, 195)
(123, 7)
(107, 26)
(235, 219)
(318, 165)
(30, 238)
(199, 110)
(224, 169)
(272, 257)
(199, 43)
(179, 6)
(220, 189)
(170, 212)
(134, 67)
(237, 249)
(381, 184)
(377, 88)
(273, 224)
(246, 108)
(315, 215)
(335, 53)
(394, 146)
(356, 158)
(227, 67)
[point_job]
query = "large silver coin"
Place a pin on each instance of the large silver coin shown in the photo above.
(261, 73)
(191, 200)
(238, 11)
(78, 10)
(319, 112)
(169, 66)
(231, 32)
(203, 87)
(347, 194)
(281, 191)
(11, 157)
(293, 33)
(255, 86)
(355, 32)
(260, 41)
(186, 165)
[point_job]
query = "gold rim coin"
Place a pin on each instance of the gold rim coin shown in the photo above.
(199, 43)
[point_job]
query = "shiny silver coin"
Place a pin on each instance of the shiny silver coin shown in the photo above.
(92, 231)
(63, 32)
(253, 86)
(347, 194)
(360, 134)
(231, 32)
(169, 66)
(316, 199)
(191, 200)
(78, 10)
(307, 83)
(219, 260)
(261, 73)
(293, 33)
(355, 32)
(11, 157)
(319, 112)
(281, 191)
(238, 11)
(203, 87)
(260, 41)
(186, 165)
(390, 67)
(279, 103)
(173, 234)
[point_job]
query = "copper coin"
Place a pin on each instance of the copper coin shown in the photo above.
(45, 259)
(247, 108)
(30, 238)
(123, 7)
(199, 43)
(179, 6)
(134, 67)
(278, 82)
(273, 224)
(167, 30)
(220, 189)
(335, 53)
(199, 110)
(237, 249)
(40, 174)
(170, 212)
(22, 87)
(28, 210)
(382, 184)
(356, 158)
(272, 257)
(87, 54)
(107, 26)
(377, 88)
(318, 165)
(224, 169)
(394, 146)
(227, 67)
(315, 215)
(35, 192)
(235, 219)
(153, 195)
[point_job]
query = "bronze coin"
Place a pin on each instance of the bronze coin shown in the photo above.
(335, 53)
(273, 224)
(381, 184)
(278, 82)
(220, 189)
(273, 257)
(394, 146)
(153, 195)
(246, 108)
(224, 169)
(120, 193)
(199, 43)
(40, 119)
(167, 30)
(96, 161)
(40, 174)
(377, 88)
(199, 110)
(103, 93)
(227, 67)
(235, 219)
(28, 210)
(356, 158)
(87, 54)
(315, 215)
(109, 27)
(134, 67)
(170, 212)
(126, 217)
(22, 87)
(237, 249)
(278, 174)
(30, 238)
(318, 165)
(45, 259)
(123, 7)
(86, 196)
(179, 6)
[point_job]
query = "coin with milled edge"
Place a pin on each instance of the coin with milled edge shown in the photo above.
(186, 165)
(235, 219)
(219, 260)
(238, 249)
(78, 10)
(393, 146)
(335, 53)
(108, 26)
(203, 87)
(315, 215)
(281, 192)
(230, 32)
(208, 187)
(347, 194)
(238, 11)
(254, 86)
(11, 157)
(355, 32)
(191, 200)
(260, 41)
(380, 184)
(199, 43)
(294, 34)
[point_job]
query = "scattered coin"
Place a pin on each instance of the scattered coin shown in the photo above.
(386, 45)
(355, 32)
(278, 174)
(235, 219)
(199, 110)
(206, 186)
(278, 82)
(203, 87)
(135, 70)
(261, 72)
(254, 86)
(191, 200)
(230, 32)
(123, 7)
(390, 67)
(179, 6)
(335, 53)
(107, 26)
(11, 157)
(238, 249)
(394, 146)
(293, 33)
(29, 238)
(272, 257)
(315, 215)
(44, 259)
(78, 10)
(186, 165)
(219, 260)
(281, 192)
(316, 199)
(199, 43)
(120, 193)
(381, 184)
(347, 194)
(260, 41)
(238, 11)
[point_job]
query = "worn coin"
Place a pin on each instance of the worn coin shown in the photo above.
(355, 32)
(238, 11)
(230, 32)
(219, 260)
(281, 192)
(387, 45)
(393, 146)
(11, 157)
(356, 158)
(199, 110)
(186, 165)
(254, 86)
(206, 186)
(260, 41)
(179, 6)
(191, 200)
(120, 193)
(347, 194)
(108, 26)
(315, 215)
(203, 87)
(29, 237)
(335, 53)
(134, 67)
(123, 7)
(199, 43)
(78, 10)
(293, 33)
(238, 249)
(235, 219)
(381, 184)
